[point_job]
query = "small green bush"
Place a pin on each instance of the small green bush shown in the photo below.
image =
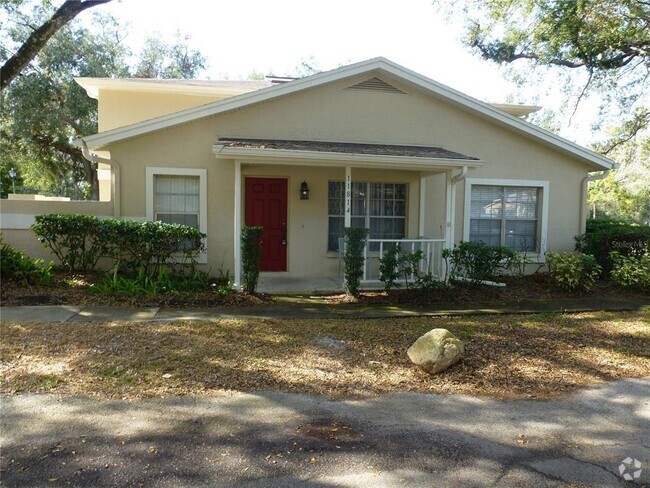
(605, 236)
(251, 257)
(389, 270)
(395, 263)
(630, 271)
(353, 260)
(573, 271)
(17, 266)
(477, 261)
(72, 239)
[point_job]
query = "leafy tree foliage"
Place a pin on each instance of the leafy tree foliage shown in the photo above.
(44, 109)
(176, 60)
(608, 40)
(588, 46)
(625, 192)
(39, 36)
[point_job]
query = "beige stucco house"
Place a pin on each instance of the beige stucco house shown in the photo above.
(370, 144)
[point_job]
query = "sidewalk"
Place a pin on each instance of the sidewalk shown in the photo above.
(306, 308)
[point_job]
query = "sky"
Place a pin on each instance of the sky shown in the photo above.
(274, 36)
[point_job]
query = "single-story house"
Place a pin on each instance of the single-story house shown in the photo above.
(371, 144)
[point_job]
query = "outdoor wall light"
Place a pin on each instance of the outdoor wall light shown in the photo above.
(12, 175)
(304, 191)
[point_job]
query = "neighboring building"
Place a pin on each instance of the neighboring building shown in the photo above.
(371, 144)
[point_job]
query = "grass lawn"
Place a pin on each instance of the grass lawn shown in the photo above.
(508, 356)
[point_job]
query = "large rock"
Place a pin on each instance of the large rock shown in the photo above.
(436, 350)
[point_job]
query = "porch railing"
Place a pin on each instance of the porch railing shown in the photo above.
(431, 261)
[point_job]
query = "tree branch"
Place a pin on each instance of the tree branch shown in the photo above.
(37, 39)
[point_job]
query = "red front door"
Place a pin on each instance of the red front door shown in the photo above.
(266, 206)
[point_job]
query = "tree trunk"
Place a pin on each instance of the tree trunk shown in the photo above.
(37, 39)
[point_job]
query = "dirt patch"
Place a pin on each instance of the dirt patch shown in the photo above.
(331, 431)
(511, 356)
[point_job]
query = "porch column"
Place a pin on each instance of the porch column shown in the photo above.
(238, 208)
(348, 196)
(449, 214)
(423, 204)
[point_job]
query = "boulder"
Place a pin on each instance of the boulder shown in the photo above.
(436, 350)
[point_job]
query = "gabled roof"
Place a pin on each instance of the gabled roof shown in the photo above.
(482, 109)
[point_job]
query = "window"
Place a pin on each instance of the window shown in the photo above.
(177, 200)
(178, 196)
(380, 207)
(509, 215)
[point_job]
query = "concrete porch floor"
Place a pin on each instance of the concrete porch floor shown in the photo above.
(274, 284)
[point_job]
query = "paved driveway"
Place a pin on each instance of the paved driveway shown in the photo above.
(273, 439)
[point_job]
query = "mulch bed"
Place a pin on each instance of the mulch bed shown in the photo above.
(77, 290)
(532, 287)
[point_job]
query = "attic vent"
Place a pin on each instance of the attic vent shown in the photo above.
(375, 84)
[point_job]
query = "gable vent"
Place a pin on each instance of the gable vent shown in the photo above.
(375, 84)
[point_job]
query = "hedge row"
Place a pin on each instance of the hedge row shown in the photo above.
(80, 241)
(604, 237)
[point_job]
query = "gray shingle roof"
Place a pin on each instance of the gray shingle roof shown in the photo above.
(431, 152)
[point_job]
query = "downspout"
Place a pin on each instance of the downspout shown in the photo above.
(584, 193)
(115, 180)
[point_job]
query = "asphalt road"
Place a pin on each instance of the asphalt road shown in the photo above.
(282, 440)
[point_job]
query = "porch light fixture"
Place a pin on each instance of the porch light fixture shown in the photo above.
(304, 191)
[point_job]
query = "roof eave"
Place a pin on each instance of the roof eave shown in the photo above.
(340, 159)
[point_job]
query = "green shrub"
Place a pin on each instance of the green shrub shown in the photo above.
(251, 257)
(395, 263)
(573, 271)
(353, 260)
(72, 239)
(18, 267)
(389, 267)
(477, 261)
(630, 271)
(605, 236)
(80, 241)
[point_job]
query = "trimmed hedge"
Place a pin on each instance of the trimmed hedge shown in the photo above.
(80, 241)
(353, 260)
(604, 236)
(477, 261)
(251, 257)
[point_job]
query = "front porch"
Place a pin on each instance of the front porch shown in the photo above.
(405, 195)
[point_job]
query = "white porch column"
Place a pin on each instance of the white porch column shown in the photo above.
(348, 196)
(423, 203)
(238, 220)
(449, 214)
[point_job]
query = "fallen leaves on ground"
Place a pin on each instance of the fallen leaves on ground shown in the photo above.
(507, 356)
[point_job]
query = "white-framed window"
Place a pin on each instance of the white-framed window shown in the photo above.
(178, 196)
(510, 213)
(380, 207)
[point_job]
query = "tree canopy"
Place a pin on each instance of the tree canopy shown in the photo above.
(590, 47)
(43, 109)
(39, 36)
